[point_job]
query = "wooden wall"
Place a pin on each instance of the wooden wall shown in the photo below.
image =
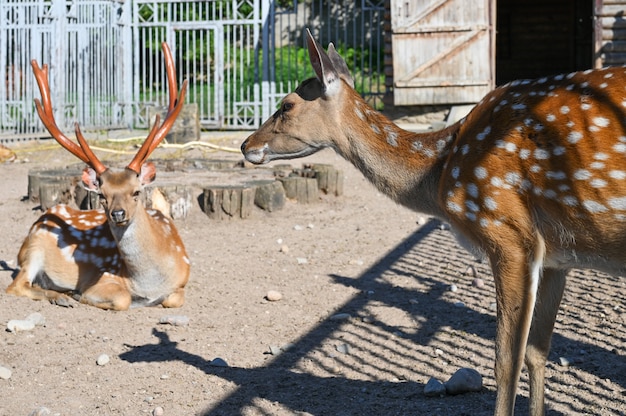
(610, 45)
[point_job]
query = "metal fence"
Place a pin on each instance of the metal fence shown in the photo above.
(240, 57)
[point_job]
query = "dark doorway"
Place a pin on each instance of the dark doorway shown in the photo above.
(535, 38)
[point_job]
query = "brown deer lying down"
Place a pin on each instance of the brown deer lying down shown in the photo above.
(534, 177)
(115, 258)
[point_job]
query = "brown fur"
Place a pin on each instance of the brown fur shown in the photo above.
(534, 177)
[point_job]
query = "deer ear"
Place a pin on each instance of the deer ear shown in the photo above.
(147, 174)
(90, 179)
(323, 66)
(340, 65)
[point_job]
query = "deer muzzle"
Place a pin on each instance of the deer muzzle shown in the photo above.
(118, 216)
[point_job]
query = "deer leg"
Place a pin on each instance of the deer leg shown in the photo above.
(175, 299)
(516, 277)
(22, 286)
(108, 293)
(546, 308)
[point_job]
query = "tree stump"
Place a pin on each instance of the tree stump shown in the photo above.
(54, 191)
(36, 176)
(269, 195)
(179, 199)
(221, 202)
(86, 199)
(330, 180)
(303, 190)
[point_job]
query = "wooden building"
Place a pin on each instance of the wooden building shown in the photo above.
(455, 51)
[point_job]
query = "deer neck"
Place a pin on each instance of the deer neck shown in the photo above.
(136, 242)
(404, 165)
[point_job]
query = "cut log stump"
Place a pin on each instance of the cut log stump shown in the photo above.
(303, 190)
(223, 202)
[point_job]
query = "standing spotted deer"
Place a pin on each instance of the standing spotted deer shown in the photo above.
(534, 177)
(114, 258)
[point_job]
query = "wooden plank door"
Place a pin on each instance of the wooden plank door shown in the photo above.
(443, 51)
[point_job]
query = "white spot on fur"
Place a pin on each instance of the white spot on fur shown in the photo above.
(617, 174)
(541, 154)
(480, 172)
(582, 174)
(620, 148)
(453, 206)
(550, 117)
(570, 201)
(472, 206)
(601, 121)
(524, 154)
(557, 176)
(564, 109)
(472, 190)
(598, 183)
(490, 203)
(558, 151)
(484, 133)
(574, 137)
(594, 207)
(618, 203)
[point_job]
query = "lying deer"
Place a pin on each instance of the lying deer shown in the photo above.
(114, 258)
(534, 177)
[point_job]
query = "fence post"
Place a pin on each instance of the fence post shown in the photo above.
(58, 41)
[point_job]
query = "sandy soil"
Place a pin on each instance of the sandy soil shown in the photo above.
(387, 267)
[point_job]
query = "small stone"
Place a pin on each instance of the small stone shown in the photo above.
(218, 362)
(340, 317)
(273, 295)
(40, 411)
(158, 411)
(275, 350)
(471, 271)
(5, 373)
(459, 304)
(176, 320)
(103, 359)
(302, 260)
(284, 248)
(36, 318)
(298, 227)
(343, 348)
(493, 306)
(16, 325)
(478, 282)
(438, 351)
(463, 381)
(434, 388)
(453, 288)
(565, 362)
(165, 377)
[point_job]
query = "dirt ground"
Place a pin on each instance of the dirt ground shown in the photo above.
(390, 270)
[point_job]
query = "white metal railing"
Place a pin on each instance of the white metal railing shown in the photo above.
(107, 69)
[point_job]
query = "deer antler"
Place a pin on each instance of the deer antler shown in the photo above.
(83, 152)
(158, 133)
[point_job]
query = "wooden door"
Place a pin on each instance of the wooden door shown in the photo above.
(443, 51)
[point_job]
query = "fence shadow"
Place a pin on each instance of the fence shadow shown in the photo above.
(423, 323)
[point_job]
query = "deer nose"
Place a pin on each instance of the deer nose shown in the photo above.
(119, 215)
(243, 146)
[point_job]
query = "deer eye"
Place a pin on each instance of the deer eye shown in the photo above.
(286, 106)
(136, 194)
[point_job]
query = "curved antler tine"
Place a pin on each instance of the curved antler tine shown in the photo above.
(46, 114)
(44, 109)
(93, 159)
(176, 100)
(170, 69)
